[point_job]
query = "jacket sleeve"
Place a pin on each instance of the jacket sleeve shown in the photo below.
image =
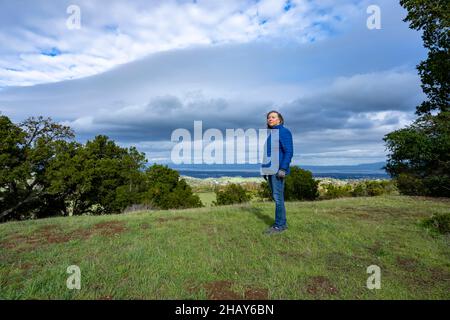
(287, 147)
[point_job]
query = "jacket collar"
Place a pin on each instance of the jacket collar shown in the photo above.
(277, 126)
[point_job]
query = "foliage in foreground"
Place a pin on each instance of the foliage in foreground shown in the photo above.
(439, 223)
(43, 173)
(419, 155)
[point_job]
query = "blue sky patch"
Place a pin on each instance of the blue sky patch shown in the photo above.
(53, 52)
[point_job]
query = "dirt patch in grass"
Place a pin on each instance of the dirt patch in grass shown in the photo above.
(407, 264)
(221, 290)
(256, 294)
(25, 266)
(440, 275)
(81, 234)
(44, 235)
(321, 287)
(173, 219)
(110, 228)
(54, 234)
(427, 280)
(106, 229)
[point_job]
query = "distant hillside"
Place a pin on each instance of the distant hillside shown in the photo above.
(375, 168)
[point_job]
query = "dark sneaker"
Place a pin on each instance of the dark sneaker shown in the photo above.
(275, 229)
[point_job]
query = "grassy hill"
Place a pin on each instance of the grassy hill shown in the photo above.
(221, 253)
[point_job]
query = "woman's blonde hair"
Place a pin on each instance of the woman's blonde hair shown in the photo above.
(278, 114)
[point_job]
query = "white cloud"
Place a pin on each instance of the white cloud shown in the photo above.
(156, 66)
(120, 32)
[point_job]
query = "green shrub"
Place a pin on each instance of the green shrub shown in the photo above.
(390, 187)
(167, 191)
(438, 185)
(231, 194)
(264, 191)
(360, 190)
(375, 188)
(333, 191)
(301, 185)
(439, 223)
(410, 185)
(431, 185)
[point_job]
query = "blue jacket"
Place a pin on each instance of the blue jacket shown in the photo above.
(286, 148)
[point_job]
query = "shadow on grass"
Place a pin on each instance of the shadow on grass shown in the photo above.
(260, 215)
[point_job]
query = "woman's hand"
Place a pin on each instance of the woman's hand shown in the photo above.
(281, 174)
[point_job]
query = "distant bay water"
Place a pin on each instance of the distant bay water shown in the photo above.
(218, 174)
(361, 171)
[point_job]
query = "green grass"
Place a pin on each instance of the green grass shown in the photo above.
(207, 198)
(221, 253)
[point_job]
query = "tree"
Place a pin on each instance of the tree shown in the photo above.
(11, 158)
(166, 190)
(26, 150)
(44, 173)
(419, 155)
(98, 178)
(433, 18)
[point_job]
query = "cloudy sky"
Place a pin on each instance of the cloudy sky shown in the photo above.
(137, 70)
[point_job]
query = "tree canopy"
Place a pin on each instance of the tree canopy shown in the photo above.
(44, 172)
(419, 155)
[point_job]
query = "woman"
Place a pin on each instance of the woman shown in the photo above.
(280, 169)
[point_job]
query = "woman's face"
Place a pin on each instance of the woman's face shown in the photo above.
(273, 120)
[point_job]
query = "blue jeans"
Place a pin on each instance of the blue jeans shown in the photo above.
(276, 186)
